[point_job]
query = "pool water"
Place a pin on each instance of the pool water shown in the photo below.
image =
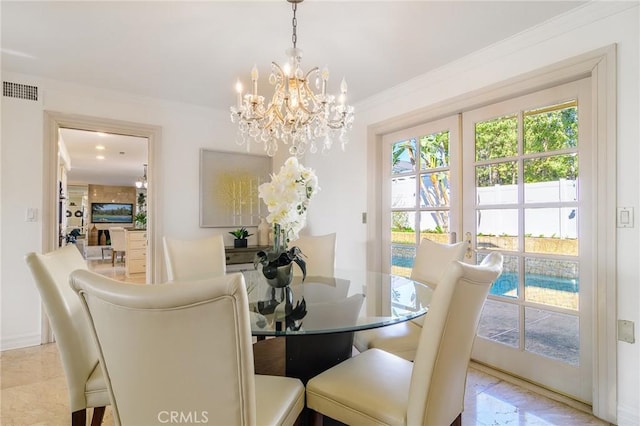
(508, 282)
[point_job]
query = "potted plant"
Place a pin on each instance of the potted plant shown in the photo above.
(140, 220)
(287, 197)
(241, 235)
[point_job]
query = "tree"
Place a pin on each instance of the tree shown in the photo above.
(427, 152)
(545, 130)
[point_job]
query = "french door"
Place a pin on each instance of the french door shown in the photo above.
(516, 180)
(526, 178)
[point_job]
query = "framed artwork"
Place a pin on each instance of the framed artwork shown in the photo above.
(229, 188)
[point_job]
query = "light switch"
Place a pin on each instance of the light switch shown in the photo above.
(31, 214)
(625, 217)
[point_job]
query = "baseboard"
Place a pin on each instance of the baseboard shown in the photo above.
(20, 342)
(628, 416)
(533, 387)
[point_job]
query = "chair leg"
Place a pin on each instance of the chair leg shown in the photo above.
(98, 415)
(79, 418)
(457, 421)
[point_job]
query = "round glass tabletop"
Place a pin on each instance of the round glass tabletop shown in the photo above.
(350, 301)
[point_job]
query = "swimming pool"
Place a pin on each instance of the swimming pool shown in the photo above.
(508, 281)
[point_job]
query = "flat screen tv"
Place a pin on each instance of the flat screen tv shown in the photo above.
(111, 213)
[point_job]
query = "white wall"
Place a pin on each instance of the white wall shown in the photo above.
(185, 129)
(342, 176)
(594, 26)
(21, 177)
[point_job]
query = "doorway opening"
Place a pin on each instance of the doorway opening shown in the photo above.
(103, 191)
(55, 123)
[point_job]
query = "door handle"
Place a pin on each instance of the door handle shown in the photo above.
(469, 253)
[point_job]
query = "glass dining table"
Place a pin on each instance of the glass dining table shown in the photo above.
(314, 321)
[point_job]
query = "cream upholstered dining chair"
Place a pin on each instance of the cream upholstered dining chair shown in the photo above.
(430, 264)
(87, 387)
(319, 254)
(194, 259)
(118, 243)
(377, 387)
(184, 348)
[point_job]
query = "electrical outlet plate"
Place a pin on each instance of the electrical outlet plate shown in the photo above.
(626, 332)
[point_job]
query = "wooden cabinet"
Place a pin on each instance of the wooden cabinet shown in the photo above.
(136, 255)
(239, 259)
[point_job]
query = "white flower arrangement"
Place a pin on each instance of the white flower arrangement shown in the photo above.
(287, 197)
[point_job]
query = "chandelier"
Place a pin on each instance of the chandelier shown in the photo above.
(142, 180)
(297, 116)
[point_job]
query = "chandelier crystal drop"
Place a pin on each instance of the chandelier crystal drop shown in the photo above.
(297, 115)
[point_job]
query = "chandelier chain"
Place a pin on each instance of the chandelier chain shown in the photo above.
(294, 24)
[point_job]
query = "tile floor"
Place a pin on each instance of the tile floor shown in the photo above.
(117, 271)
(34, 392)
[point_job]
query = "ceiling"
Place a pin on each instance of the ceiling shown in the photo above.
(122, 163)
(194, 52)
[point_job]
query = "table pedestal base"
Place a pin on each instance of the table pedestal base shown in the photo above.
(310, 355)
(301, 356)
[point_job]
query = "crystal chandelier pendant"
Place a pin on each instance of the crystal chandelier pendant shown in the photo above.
(296, 115)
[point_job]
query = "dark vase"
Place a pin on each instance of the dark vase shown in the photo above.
(278, 276)
(240, 243)
(277, 263)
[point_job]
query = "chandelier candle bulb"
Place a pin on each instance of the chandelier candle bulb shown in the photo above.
(239, 93)
(287, 71)
(254, 79)
(325, 78)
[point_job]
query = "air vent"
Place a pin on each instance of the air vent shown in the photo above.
(20, 91)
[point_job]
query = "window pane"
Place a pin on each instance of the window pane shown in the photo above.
(499, 322)
(403, 192)
(551, 128)
(497, 229)
(552, 334)
(507, 283)
(497, 183)
(551, 230)
(435, 226)
(403, 157)
(552, 282)
(551, 179)
(434, 150)
(403, 227)
(497, 138)
(434, 189)
(402, 259)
